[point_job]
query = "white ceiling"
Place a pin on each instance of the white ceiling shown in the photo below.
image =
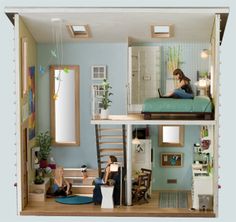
(118, 26)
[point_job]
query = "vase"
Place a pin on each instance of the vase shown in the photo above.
(104, 114)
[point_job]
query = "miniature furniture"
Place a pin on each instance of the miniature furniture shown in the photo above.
(141, 187)
(200, 107)
(107, 196)
(202, 186)
(37, 192)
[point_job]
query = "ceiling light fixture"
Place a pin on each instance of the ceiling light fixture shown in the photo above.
(205, 53)
(136, 141)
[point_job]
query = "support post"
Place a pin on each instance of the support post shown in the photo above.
(129, 166)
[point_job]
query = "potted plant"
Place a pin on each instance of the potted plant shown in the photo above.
(106, 102)
(43, 140)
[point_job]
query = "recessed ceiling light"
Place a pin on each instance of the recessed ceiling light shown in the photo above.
(162, 31)
(79, 31)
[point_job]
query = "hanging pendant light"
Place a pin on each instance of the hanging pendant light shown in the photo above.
(136, 141)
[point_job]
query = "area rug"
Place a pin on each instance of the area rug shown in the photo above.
(173, 199)
(73, 200)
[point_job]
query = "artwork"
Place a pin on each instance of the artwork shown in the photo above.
(99, 72)
(31, 102)
(24, 46)
(35, 158)
(171, 159)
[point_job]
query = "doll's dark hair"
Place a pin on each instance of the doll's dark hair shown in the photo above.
(181, 75)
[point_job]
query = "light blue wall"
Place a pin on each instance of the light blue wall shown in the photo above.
(115, 57)
(85, 55)
(182, 174)
(190, 56)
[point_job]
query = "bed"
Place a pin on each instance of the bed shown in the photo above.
(200, 107)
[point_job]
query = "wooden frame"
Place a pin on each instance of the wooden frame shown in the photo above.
(84, 35)
(99, 72)
(53, 99)
(35, 158)
(24, 66)
(178, 140)
(171, 159)
(164, 34)
(178, 115)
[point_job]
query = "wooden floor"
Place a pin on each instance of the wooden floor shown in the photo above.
(151, 209)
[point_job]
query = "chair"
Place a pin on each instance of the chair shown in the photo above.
(149, 172)
(141, 187)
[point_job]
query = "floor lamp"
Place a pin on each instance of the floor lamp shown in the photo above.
(114, 167)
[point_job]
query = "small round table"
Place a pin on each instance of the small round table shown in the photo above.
(107, 196)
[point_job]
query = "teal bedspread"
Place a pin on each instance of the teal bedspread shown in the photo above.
(197, 104)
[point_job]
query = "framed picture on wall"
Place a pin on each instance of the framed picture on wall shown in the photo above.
(24, 67)
(171, 159)
(31, 102)
(99, 72)
(35, 158)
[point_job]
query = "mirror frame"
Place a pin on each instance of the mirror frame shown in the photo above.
(164, 144)
(77, 107)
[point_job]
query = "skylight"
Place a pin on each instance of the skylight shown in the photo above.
(79, 31)
(162, 31)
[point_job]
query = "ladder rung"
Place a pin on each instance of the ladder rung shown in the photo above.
(106, 155)
(111, 143)
(111, 137)
(110, 150)
(110, 129)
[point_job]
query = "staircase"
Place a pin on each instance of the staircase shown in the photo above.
(79, 185)
(110, 140)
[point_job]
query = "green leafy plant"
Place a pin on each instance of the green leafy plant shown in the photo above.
(38, 180)
(106, 102)
(43, 140)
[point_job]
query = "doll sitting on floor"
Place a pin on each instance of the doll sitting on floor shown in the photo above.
(61, 187)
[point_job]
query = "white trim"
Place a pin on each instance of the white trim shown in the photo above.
(64, 10)
(18, 113)
(129, 166)
(216, 128)
(123, 119)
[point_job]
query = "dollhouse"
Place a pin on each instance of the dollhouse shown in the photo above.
(62, 56)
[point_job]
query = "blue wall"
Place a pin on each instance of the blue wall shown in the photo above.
(190, 56)
(182, 174)
(114, 55)
(85, 55)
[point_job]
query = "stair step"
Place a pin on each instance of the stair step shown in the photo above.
(111, 143)
(110, 129)
(76, 172)
(84, 190)
(111, 150)
(111, 137)
(80, 180)
(106, 155)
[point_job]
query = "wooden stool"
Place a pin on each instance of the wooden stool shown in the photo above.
(107, 196)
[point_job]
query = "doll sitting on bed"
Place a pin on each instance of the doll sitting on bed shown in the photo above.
(61, 187)
(184, 89)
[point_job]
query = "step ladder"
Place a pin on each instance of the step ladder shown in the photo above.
(110, 140)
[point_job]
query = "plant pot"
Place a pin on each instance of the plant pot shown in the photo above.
(43, 163)
(104, 114)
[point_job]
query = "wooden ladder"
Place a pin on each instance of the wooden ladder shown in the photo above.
(110, 140)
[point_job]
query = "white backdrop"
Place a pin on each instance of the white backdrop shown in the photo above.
(227, 194)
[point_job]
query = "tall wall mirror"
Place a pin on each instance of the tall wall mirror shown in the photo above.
(170, 136)
(64, 97)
